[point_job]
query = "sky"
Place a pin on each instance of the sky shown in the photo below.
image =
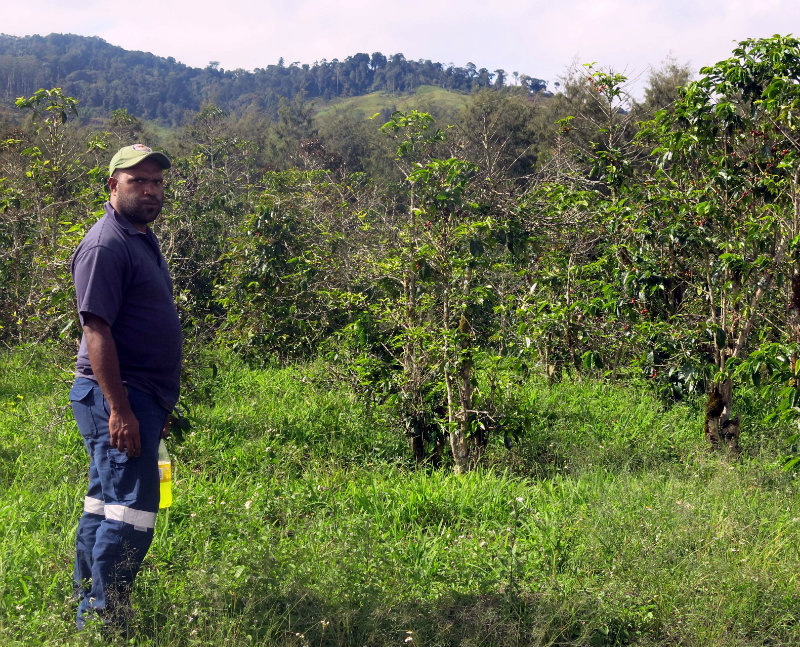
(540, 38)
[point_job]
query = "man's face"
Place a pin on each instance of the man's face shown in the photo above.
(137, 193)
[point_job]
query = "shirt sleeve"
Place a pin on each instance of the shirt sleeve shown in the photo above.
(99, 276)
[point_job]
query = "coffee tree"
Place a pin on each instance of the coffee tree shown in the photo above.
(725, 190)
(52, 190)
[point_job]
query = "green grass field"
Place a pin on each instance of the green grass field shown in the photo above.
(299, 519)
(427, 98)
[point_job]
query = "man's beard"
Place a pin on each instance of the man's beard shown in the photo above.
(136, 212)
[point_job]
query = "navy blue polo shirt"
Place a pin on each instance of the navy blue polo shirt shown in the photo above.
(121, 276)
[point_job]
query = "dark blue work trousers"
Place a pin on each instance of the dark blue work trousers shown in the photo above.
(119, 513)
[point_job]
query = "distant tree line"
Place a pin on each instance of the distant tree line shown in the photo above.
(107, 78)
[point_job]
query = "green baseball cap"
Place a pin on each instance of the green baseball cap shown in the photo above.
(132, 155)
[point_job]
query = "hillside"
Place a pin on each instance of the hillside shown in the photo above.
(105, 77)
(438, 101)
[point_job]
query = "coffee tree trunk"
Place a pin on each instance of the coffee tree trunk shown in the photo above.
(722, 431)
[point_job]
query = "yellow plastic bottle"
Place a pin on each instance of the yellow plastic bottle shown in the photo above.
(164, 475)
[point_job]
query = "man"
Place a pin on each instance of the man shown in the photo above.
(127, 381)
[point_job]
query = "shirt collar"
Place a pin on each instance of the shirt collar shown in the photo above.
(125, 224)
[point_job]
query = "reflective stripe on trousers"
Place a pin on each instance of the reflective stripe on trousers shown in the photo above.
(139, 519)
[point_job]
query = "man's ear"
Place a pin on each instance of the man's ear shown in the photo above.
(112, 184)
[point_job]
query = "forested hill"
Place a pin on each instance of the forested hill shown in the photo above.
(106, 77)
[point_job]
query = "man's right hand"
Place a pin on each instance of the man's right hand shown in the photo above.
(123, 429)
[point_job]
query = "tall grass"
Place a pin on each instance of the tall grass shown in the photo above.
(300, 520)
